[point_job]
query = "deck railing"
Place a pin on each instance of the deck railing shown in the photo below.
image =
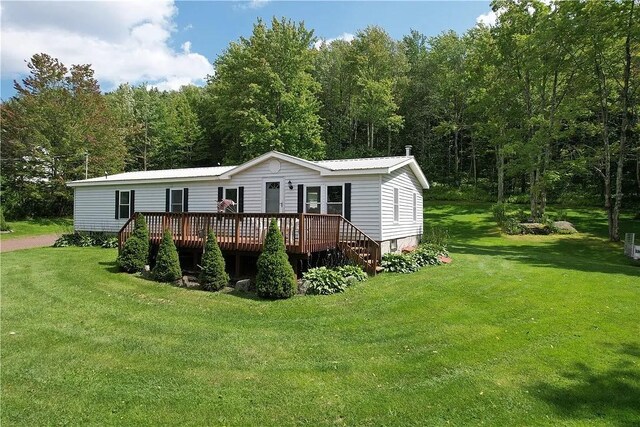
(245, 232)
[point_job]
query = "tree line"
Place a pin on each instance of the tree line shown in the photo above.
(540, 107)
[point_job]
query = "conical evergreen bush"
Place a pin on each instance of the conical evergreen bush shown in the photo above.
(167, 268)
(275, 278)
(135, 252)
(213, 276)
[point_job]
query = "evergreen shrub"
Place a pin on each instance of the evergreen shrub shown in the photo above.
(213, 276)
(133, 256)
(275, 278)
(167, 268)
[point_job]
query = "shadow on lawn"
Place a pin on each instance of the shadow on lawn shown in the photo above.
(583, 254)
(111, 266)
(609, 395)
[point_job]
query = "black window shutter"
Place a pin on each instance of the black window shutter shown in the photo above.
(117, 204)
(167, 208)
(240, 199)
(132, 206)
(185, 200)
(347, 201)
(300, 198)
(220, 196)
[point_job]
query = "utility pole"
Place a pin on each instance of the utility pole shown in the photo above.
(86, 164)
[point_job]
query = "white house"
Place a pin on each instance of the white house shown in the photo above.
(380, 196)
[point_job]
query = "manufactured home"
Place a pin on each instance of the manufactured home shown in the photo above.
(364, 207)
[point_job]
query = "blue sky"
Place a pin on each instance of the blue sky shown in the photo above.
(169, 43)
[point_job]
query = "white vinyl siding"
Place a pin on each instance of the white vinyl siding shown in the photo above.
(405, 182)
(365, 191)
(415, 207)
(396, 206)
(94, 206)
(371, 198)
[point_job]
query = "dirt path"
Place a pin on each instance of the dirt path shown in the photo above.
(27, 242)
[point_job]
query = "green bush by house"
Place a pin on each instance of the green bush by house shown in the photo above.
(275, 278)
(167, 268)
(133, 256)
(213, 276)
(135, 253)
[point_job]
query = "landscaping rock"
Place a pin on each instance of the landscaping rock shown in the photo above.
(189, 282)
(243, 285)
(565, 227)
(535, 228)
(408, 249)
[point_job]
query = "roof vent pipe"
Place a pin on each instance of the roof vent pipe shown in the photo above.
(408, 149)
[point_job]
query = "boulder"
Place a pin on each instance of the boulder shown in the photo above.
(190, 282)
(564, 227)
(243, 285)
(535, 228)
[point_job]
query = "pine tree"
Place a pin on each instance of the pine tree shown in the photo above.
(141, 231)
(133, 256)
(213, 276)
(167, 268)
(275, 278)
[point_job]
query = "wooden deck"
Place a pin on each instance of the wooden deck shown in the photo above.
(303, 234)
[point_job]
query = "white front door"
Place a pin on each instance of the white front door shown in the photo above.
(273, 200)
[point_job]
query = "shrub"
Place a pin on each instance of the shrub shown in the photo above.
(436, 235)
(3, 224)
(323, 281)
(140, 230)
(429, 254)
(110, 242)
(499, 211)
(399, 263)
(213, 276)
(86, 239)
(354, 271)
(132, 258)
(513, 226)
(167, 268)
(275, 278)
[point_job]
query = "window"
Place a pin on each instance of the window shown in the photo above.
(124, 210)
(231, 194)
(176, 200)
(396, 206)
(334, 199)
(313, 200)
(415, 207)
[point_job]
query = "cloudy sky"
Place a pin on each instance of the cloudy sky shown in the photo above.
(171, 43)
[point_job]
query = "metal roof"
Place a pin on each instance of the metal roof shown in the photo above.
(364, 163)
(164, 174)
(373, 165)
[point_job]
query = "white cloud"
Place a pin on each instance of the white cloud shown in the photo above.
(488, 19)
(251, 4)
(348, 37)
(124, 41)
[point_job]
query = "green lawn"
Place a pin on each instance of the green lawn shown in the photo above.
(517, 331)
(38, 226)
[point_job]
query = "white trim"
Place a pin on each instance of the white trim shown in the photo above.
(224, 192)
(282, 207)
(396, 205)
(120, 204)
(106, 181)
(326, 203)
(171, 190)
(321, 195)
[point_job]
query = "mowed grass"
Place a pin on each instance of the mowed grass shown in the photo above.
(517, 331)
(38, 226)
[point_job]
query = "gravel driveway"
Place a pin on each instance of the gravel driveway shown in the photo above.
(28, 242)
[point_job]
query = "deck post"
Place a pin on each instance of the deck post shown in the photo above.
(301, 242)
(237, 235)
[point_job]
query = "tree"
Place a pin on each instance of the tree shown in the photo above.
(167, 268)
(213, 276)
(57, 117)
(264, 93)
(275, 278)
